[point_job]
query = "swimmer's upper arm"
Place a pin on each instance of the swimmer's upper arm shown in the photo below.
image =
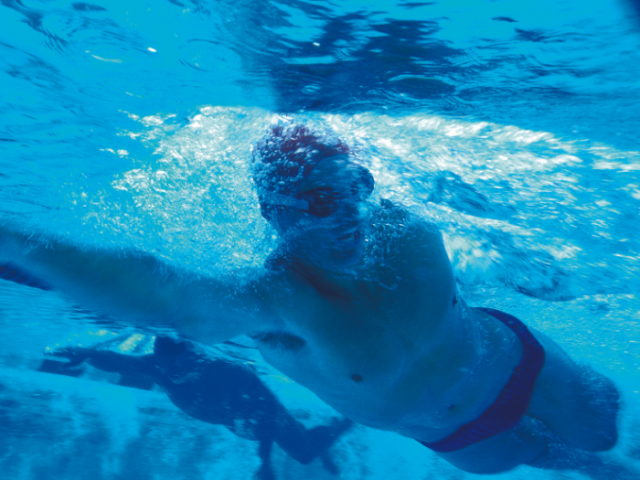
(219, 309)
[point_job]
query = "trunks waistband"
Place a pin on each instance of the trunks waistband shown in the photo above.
(513, 400)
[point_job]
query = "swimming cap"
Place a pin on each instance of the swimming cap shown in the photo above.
(287, 155)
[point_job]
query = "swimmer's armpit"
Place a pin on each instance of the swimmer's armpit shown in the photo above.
(280, 340)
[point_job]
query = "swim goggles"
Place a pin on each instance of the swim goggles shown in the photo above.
(323, 201)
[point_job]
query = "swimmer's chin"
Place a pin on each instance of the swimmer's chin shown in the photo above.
(337, 250)
(343, 260)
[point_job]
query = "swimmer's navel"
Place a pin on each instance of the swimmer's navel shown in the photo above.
(356, 378)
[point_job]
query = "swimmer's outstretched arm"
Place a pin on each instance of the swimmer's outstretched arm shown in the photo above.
(138, 287)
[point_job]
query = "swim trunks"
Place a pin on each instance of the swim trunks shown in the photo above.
(513, 400)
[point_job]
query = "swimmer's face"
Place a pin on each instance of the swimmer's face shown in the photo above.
(330, 232)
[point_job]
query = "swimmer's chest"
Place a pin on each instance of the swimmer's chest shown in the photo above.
(325, 338)
(356, 364)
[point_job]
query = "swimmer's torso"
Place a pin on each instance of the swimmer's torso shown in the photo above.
(391, 349)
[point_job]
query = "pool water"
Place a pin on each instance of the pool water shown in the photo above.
(513, 125)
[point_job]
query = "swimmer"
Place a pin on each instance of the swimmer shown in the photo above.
(358, 303)
(220, 392)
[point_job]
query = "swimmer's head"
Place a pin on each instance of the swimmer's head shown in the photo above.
(290, 164)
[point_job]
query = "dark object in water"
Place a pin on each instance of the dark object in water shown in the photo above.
(216, 391)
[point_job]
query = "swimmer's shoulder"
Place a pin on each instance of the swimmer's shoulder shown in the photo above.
(398, 222)
(281, 288)
(407, 236)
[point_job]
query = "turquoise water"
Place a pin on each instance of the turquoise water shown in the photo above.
(511, 124)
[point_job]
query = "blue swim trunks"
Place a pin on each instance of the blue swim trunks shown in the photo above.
(513, 400)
